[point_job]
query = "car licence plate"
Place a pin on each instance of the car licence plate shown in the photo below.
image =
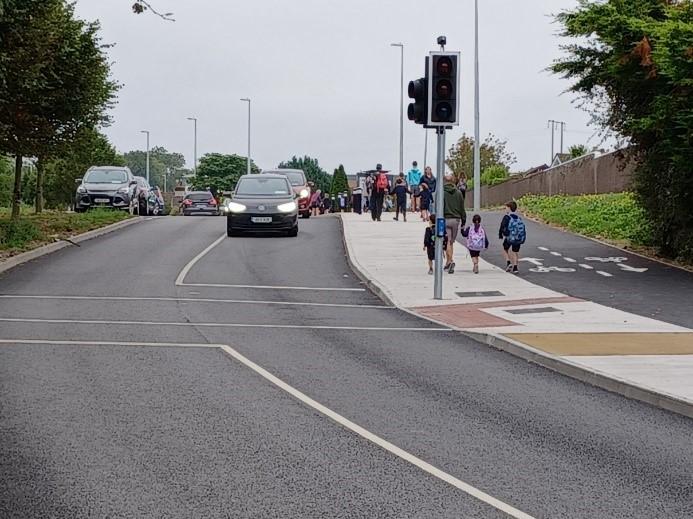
(261, 219)
(101, 200)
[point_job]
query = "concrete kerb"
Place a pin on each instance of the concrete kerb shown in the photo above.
(19, 259)
(554, 363)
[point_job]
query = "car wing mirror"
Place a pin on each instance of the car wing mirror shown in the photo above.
(78, 181)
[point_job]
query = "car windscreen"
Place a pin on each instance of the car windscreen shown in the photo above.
(199, 196)
(294, 177)
(263, 186)
(106, 176)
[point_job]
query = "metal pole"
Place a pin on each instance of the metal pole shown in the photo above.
(248, 159)
(401, 106)
(194, 120)
(440, 203)
(425, 147)
(477, 144)
(562, 129)
(147, 166)
(553, 130)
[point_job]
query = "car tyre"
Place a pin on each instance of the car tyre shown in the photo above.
(305, 215)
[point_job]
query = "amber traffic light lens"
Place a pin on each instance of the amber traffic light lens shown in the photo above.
(444, 89)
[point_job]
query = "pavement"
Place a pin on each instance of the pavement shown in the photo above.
(609, 314)
(163, 370)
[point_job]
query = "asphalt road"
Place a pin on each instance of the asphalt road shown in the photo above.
(117, 400)
(586, 269)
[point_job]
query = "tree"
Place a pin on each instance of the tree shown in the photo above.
(312, 169)
(161, 163)
(578, 150)
(492, 152)
(89, 148)
(340, 183)
(494, 175)
(54, 80)
(141, 6)
(220, 172)
(632, 64)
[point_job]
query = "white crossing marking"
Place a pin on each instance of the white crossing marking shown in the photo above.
(220, 325)
(586, 266)
(610, 259)
(192, 300)
(570, 260)
(109, 343)
(543, 248)
(534, 261)
(605, 274)
(544, 270)
(628, 268)
(377, 440)
(554, 253)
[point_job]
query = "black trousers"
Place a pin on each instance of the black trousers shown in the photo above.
(377, 199)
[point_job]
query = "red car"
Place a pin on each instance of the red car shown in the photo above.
(299, 183)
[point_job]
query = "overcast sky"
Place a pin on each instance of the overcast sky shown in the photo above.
(323, 78)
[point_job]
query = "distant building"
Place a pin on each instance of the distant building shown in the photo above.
(560, 158)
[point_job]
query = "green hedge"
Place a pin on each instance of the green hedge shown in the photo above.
(614, 216)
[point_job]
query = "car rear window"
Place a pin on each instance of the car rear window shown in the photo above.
(106, 176)
(263, 186)
(296, 178)
(199, 196)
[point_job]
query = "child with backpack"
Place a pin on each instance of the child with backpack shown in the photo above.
(513, 233)
(400, 192)
(426, 197)
(476, 241)
(430, 242)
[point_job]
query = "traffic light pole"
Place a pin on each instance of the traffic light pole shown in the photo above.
(440, 215)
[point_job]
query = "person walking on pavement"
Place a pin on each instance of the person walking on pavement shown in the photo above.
(430, 242)
(381, 186)
(426, 198)
(455, 217)
(368, 182)
(400, 192)
(414, 179)
(513, 233)
(430, 182)
(476, 241)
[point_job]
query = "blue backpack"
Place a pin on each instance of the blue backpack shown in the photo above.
(517, 234)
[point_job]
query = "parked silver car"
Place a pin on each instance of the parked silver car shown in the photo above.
(106, 186)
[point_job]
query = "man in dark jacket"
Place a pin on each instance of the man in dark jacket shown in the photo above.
(379, 192)
(455, 217)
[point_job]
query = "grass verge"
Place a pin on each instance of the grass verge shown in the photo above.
(35, 230)
(615, 218)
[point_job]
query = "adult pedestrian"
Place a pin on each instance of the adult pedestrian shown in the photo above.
(368, 189)
(414, 179)
(315, 201)
(381, 186)
(430, 182)
(462, 185)
(455, 217)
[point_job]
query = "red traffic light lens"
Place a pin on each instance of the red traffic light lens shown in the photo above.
(444, 66)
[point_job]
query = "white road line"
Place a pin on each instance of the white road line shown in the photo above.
(181, 276)
(110, 343)
(586, 266)
(180, 280)
(543, 248)
(192, 300)
(267, 287)
(570, 260)
(220, 325)
(380, 442)
(553, 253)
(605, 274)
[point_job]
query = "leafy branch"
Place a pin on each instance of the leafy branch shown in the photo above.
(141, 6)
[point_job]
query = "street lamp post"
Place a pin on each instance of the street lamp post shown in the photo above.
(147, 167)
(246, 99)
(194, 120)
(477, 145)
(401, 106)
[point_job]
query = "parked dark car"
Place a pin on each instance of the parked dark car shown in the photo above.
(199, 202)
(146, 201)
(299, 184)
(262, 203)
(156, 201)
(106, 186)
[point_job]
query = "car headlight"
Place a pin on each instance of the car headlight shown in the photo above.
(81, 189)
(305, 193)
(287, 208)
(123, 190)
(235, 207)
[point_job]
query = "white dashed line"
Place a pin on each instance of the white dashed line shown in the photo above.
(586, 266)
(543, 248)
(220, 325)
(570, 260)
(605, 274)
(377, 440)
(553, 253)
(109, 343)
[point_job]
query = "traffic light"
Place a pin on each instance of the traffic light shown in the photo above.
(443, 92)
(418, 91)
